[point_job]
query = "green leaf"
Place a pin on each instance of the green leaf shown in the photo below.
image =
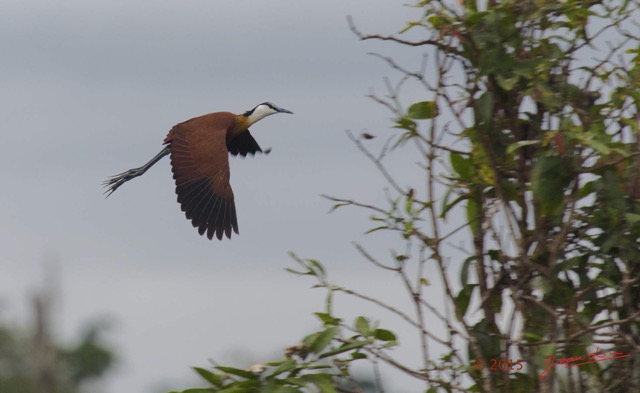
(484, 107)
(323, 339)
(448, 206)
(494, 254)
(597, 146)
(531, 337)
(488, 336)
(473, 216)
(238, 372)
(436, 21)
(495, 301)
(284, 366)
(199, 390)
(507, 83)
(474, 16)
(405, 123)
(587, 189)
(362, 326)
(241, 387)
(632, 218)
(422, 110)
(317, 267)
(384, 335)
(607, 282)
(515, 146)
(544, 351)
(409, 26)
(401, 257)
(408, 205)
(358, 355)
(408, 229)
(322, 381)
(462, 300)
(464, 272)
(282, 389)
(549, 178)
(346, 348)
(376, 229)
(328, 319)
(337, 205)
(462, 166)
(212, 378)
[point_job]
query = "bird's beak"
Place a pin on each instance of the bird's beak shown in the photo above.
(282, 110)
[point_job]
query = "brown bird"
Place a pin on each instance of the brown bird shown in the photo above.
(199, 150)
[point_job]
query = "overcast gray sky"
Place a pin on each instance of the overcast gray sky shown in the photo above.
(90, 89)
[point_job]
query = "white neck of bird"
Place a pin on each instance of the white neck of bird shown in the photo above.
(259, 113)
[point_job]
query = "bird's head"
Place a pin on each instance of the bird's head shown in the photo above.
(263, 110)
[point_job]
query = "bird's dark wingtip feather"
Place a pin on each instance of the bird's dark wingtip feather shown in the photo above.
(211, 214)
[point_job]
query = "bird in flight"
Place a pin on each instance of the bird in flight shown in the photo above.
(199, 150)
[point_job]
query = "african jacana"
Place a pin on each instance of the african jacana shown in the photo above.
(199, 150)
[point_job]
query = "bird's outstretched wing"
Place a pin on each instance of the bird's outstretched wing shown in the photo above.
(200, 166)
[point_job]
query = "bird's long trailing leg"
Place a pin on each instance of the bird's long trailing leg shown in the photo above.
(116, 181)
